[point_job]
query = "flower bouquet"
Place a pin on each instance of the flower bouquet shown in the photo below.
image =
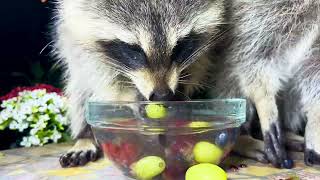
(38, 113)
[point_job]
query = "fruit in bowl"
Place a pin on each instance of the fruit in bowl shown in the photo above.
(167, 140)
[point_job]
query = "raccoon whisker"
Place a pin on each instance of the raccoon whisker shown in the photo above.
(122, 72)
(201, 83)
(188, 98)
(125, 82)
(117, 64)
(119, 68)
(45, 47)
(184, 76)
(193, 57)
(196, 84)
(121, 64)
(188, 83)
(128, 86)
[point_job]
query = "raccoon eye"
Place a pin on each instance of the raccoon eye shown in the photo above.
(185, 47)
(131, 55)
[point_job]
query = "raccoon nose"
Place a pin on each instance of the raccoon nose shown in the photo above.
(161, 95)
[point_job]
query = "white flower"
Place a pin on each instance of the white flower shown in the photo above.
(22, 126)
(25, 142)
(34, 140)
(5, 114)
(9, 107)
(34, 131)
(30, 118)
(37, 93)
(3, 104)
(8, 102)
(18, 125)
(34, 103)
(62, 119)
(53, 109)
(41, 124)
(33, 109)
(59, 102)
(18, 115)
(55, 136)
(13, 125)
(43, 108)
(44, 117)
(46, 98)
(26, 109)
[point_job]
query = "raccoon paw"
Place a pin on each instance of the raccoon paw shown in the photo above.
(80, 154)
(250, 147)
(311, 157)
(275, 149)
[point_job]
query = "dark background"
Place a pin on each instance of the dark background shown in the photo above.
(24, 33)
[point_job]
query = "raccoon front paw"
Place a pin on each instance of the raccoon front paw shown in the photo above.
(250, 147)
(80, 154)
(275, 149)
(311, 157)
(258, 156)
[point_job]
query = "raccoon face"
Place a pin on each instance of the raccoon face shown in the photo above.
(151, 42)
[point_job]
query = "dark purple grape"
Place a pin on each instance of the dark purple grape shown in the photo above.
(288, 163)
(221, 139)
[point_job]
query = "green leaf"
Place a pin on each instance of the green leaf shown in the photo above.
(5, 124)
(42, 134)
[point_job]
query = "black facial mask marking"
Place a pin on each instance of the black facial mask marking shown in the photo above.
(129, 55)
(185, 47)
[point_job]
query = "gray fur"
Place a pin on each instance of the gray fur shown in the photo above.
(154, 25)
(275, 47)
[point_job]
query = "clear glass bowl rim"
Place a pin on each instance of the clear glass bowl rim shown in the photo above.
(216, 124)
(115, 103)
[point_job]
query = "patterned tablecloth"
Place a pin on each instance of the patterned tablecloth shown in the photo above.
(42, 163)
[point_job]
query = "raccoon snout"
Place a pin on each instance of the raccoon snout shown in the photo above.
(161, 95)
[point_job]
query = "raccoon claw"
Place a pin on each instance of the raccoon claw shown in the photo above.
(311, 157)
(262, 158)
(78, 158)
(274, 148)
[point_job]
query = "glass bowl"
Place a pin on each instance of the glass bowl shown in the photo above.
(161, 140)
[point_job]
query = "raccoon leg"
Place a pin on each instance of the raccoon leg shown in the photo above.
(312, 134)
(252, 148)
(260, 89)
(85, 150)
(306, 83)
(263, 94)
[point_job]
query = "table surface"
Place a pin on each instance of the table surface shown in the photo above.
(42, 163)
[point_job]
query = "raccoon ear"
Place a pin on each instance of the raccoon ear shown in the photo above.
(186, 47)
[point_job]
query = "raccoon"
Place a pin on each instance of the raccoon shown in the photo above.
(125, 50)
(273, 56)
